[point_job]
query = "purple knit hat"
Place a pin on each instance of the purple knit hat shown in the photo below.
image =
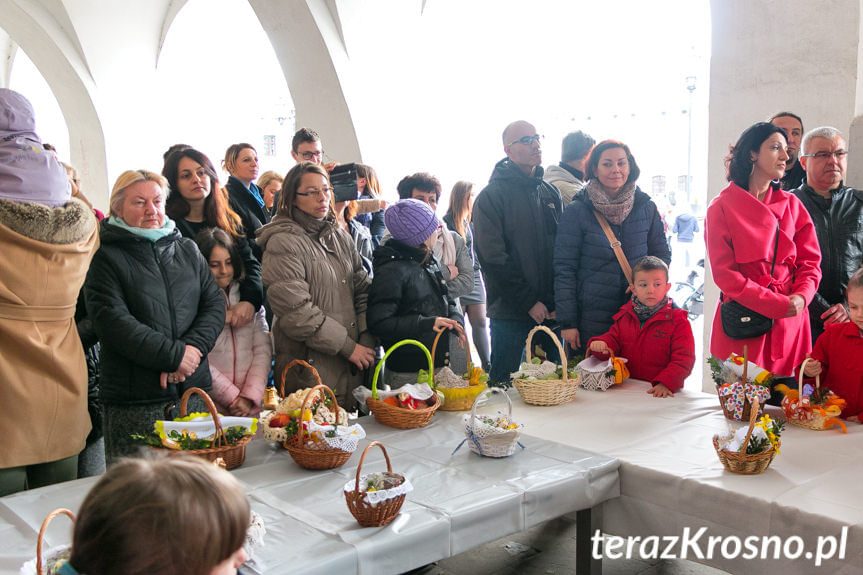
(28, 173)
(411, 221)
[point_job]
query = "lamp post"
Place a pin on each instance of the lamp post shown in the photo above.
(690, 85)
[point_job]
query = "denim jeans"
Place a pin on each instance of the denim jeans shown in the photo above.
(507, 346)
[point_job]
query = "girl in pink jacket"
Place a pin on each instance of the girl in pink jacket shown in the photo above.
(240, 361)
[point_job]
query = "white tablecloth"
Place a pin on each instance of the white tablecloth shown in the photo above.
(459, 501)
(671, 477)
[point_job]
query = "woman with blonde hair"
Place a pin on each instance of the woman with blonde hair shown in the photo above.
(458, 218)
(196, 203)
(370, 208)
(241, 162)
(270, 183)
(316, 286)
(155, 307)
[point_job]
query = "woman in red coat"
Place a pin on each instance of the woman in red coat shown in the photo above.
(741, 233)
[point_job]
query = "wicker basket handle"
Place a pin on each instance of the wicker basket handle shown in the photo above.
(52, 515)
(363, 458)
(488, 392)
(309, 395)
(800, 379)
(304, 364)
(753, 416)
(220, 439)
(556, 342)
(392, 349)
(462, 337)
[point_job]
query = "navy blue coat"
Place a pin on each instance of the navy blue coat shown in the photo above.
(589, 286)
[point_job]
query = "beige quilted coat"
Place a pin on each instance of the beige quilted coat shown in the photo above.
(317, 289)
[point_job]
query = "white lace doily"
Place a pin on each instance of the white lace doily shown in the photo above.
(375, 497)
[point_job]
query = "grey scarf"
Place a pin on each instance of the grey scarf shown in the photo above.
(615, 208)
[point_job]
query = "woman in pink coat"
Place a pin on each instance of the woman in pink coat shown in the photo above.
(741, 232)
(240, 361)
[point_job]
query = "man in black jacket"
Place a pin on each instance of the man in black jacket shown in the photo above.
(795, 174)
(515, 223)
(837, 212)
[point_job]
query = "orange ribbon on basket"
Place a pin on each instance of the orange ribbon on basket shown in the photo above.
(621, 372)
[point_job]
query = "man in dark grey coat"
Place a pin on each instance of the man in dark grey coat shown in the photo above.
(837, 212)
(515, 222)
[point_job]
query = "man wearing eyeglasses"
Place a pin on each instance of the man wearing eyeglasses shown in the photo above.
(515, 221)
(837, 212)
(795, 174)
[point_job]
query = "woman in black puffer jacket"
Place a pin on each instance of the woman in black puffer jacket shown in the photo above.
(408, 298)
(589, 286)
(155, 307)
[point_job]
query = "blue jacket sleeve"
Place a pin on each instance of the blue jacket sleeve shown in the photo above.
(567, 258)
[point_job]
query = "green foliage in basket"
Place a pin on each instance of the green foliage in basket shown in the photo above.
(773, 429)
(187, 441)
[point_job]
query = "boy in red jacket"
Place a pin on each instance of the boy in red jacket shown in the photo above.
(653, 336)
(838, 351)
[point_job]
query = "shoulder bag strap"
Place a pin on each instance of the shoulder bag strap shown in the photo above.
(615, 245)
(775, 249)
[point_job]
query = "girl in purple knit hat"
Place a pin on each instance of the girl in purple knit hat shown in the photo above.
(408, 298)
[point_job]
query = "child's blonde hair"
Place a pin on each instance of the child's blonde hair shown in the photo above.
(855, 281)
(171, 516)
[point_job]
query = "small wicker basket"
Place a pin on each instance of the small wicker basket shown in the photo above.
(232, 455)
(742, 462)
(501, 443)
(399, 417)
(315, 459)
(38, 565)
(747, 404)
(458, 398)
(547, 391)
(817, 421)
(381, 513)
(591, 379)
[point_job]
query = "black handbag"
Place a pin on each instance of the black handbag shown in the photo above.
(740, 322)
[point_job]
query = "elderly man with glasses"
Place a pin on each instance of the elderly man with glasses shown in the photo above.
(515, 222)
(837, 212)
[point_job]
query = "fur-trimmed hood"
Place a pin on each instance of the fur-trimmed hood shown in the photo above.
(67, 224)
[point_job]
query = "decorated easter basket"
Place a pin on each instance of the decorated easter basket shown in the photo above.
(459, 398)
(48, 563)
(400, 417)
(802, 412)
(546, 391)
(376, 507)
(492, 436)
(596, 375)
(742, 462)
(232, 455)
(737, 398)
(321, 458)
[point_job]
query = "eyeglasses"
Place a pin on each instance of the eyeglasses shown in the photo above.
(310, 155)
(527, 140)
(838, 154)
(315, 192)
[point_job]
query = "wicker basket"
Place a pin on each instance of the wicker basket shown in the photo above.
(502, 444)
(399, 417)
(38, 565)
(383, 512)
(594, 380)
(232, 455)
(818, 421)
(742, 462)
(315, 459)
(747, 406)
(458, 398)
(547, 391)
